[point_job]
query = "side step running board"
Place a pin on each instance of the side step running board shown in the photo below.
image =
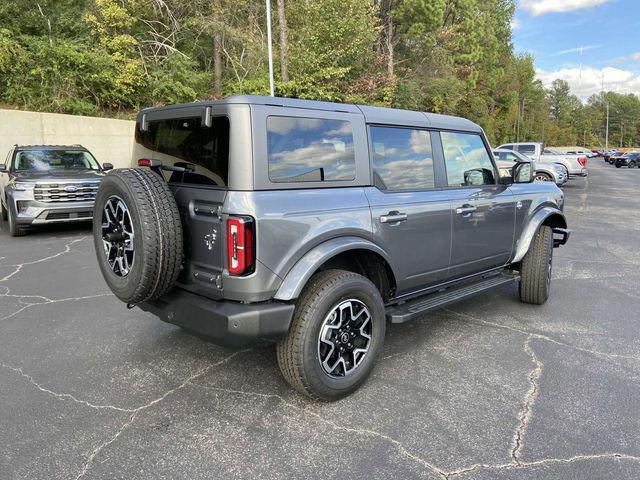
(410, 309)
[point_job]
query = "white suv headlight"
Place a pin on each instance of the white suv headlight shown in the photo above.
(22, 187)
(560, 169)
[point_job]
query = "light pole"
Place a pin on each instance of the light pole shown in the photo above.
(268, 2)
(606, 138)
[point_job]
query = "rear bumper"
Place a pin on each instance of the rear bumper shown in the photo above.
(581, 173)
(226, 323)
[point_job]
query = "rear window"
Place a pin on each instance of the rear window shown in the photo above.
(185, 142)
(527, 149)
(310, 150)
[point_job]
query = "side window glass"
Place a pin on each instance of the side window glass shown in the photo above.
(527, 149)
(467, 160)
(310, 150)
(511, 157)
(402, 158)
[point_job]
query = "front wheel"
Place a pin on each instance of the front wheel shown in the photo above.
(535, 271)
(336, 335)
(542, 177)
(15, 229)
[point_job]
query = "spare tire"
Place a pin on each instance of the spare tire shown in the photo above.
(137, 234)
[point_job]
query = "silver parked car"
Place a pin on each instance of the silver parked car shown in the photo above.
(313, 224)
(544, 171)
(41, 184)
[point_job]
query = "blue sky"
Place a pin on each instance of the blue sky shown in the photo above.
(554, 30)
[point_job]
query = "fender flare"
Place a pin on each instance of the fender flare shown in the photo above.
(301, 272)
(530, 230)
(546, 171)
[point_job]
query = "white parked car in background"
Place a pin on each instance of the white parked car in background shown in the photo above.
(544, 171)
(576, 165)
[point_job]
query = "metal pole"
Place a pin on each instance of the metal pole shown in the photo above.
(606, 141)
(271, 89)
(518, 124)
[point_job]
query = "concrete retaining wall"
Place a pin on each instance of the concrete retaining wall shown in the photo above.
(108, 139)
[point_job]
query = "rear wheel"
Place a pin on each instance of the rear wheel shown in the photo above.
(137, 234)
(535, 271)
(632, 164)
(336, 335)
(618, 165)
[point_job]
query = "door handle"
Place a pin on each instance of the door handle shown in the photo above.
(393, 217)
(466, 210)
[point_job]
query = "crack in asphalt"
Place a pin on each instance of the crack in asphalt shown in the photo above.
(98, 449)
(541, 336)
(137, 410)
(46, 301)
(360, 431)
(19, 266)
(64, 395)
(541, 462)
(445, 474)
(530, 398)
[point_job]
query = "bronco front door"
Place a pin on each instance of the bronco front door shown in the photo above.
(482, 211)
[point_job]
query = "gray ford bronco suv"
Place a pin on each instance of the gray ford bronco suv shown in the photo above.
(312, 224)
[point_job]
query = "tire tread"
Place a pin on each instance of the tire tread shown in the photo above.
(161, 230)
(290, 350)
(533, 273)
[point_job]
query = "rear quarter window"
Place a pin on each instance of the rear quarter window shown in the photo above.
(310, 150)
(185, 142)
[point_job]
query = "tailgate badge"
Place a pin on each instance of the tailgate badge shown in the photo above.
(210, 239)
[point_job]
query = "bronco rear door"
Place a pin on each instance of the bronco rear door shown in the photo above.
(195, 137)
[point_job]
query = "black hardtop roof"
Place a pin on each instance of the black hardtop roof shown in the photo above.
(50, 147)
(375, 115)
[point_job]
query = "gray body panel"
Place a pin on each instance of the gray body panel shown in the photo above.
(301, 225)
(482, 239)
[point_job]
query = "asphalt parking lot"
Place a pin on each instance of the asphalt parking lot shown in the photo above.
(487, 389)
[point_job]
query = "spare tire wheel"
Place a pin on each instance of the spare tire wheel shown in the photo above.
(137, 234)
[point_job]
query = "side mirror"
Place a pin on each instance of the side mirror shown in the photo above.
(523, 172)
(107, 166)
(478, 177)
(3, 168)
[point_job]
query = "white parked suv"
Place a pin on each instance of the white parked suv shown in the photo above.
(544, 171)
(576, 164)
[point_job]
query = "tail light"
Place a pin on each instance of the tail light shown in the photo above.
(146, 162)
(240, 245)
(582, 161)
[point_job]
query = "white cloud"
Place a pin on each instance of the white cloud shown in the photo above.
(515, 23)
(540, 7)
(615, 79)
